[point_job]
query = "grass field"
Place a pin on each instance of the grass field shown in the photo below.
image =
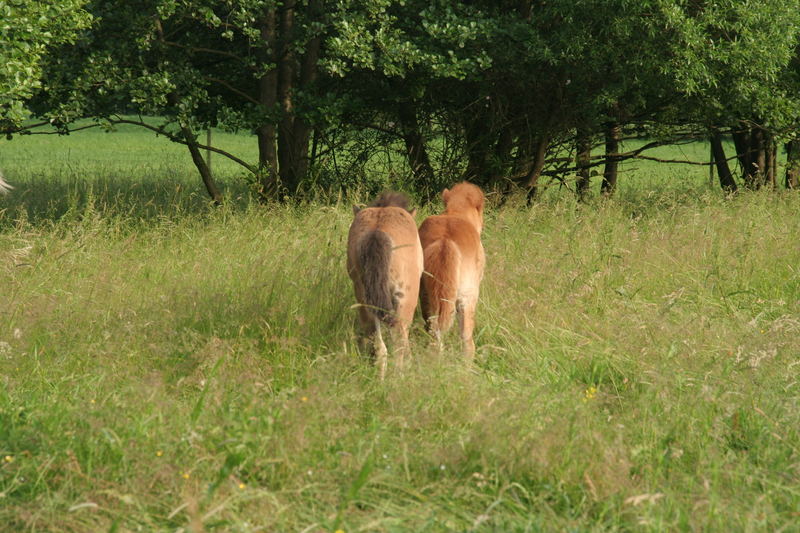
(165, 366)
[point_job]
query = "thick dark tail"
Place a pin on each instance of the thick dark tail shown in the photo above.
(374, 256)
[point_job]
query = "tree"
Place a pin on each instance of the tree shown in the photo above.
(501, 84)
(731, 73)
(247, 65)
(28, 30)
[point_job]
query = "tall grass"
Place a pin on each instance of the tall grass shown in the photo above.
(197, 370)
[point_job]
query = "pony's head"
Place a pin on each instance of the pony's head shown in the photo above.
(465, 199)
(391, 199)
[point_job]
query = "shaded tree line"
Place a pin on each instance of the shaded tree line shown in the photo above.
(505, 93)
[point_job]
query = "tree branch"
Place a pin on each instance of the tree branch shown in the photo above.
(201, 49)
(87, 127)
(233, 89)
(176, 139)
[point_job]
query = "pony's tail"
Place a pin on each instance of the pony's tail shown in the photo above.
(374, 257)
(440, 282)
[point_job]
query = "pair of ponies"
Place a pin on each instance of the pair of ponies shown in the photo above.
(392, 264)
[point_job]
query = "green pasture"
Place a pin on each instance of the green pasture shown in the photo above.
(168, 366)
(134, 170)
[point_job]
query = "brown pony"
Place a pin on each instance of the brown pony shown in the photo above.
(384, 260)
(454, 261)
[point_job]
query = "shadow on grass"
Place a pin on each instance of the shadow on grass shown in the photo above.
(46, 200)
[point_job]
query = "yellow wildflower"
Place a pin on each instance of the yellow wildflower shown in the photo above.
(589, 393)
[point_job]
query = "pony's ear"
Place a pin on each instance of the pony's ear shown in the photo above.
(356, 209)
(445, 195)
(413, 212)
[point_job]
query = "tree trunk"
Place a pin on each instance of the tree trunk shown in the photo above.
(285, 63)
(294, 75)
(711, 165)
(268, 97)
(200, 163)
(416, 150)
(760, 163)
(583, 154)
(301, 133)
(613, 135)
(524, 8)
(793, 164)
(532, 178)
(191, 143)
(523, 158)
(501, 162)
(743, 143)
(726, 180)
(208, 151)
(770, 161)
(477, 145)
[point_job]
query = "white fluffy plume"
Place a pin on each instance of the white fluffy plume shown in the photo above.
(4, 186)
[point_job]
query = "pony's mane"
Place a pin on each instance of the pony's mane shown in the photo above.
(391, 199)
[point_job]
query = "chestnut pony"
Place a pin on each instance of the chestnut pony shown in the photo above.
(454, 262)
(384, 260)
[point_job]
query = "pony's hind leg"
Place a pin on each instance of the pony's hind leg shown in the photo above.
(400, 344)
(432, 326)
(465, 310)
(365, 331)
(381, 354)
(406, 303)
(430, 318)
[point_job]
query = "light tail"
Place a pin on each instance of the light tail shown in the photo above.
(440, 283)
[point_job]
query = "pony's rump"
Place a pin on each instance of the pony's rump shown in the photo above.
(374, 257)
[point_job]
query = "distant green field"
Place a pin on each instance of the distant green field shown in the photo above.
(165, 366)
(133, 167)
(128, 149)
(126, 170)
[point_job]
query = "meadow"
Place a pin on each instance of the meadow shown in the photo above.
(169, 366)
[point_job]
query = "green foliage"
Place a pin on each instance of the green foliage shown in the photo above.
(484, 80)
(28, 31)
(437, 39)
(731, 55)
